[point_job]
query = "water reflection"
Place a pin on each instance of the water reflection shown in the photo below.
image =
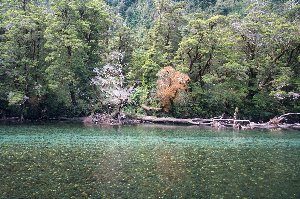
(147, 162)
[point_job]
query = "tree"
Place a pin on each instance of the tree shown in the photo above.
(22, 53)
(198, 48)
(110, 81)
(270, 44)
(237, 53)
(157, 47)
(170, 84)
(77, 37)
(165, 34)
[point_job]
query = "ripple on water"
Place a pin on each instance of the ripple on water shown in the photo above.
(72, 161)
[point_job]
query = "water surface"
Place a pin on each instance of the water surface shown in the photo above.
(74, 161)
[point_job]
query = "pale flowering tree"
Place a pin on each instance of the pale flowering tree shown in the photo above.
(110, 79)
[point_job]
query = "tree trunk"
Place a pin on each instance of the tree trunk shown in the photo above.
(72, 95)
(195, 121)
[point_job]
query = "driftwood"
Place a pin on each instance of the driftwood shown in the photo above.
(195, 121)
(290, 126)
(233, 123)
(284, 117)
(281, 122)
(168, 120)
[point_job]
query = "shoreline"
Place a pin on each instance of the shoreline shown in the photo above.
(214, 123)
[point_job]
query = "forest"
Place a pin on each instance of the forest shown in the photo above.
(179, 58)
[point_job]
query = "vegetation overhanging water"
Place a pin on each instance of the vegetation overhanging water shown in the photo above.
(147, 161)
(113, 60)
(179, 58)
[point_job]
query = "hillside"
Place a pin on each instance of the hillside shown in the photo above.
(184, 58)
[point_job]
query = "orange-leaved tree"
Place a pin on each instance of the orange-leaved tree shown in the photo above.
(169, 84)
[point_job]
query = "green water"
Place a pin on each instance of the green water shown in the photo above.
(73, 161)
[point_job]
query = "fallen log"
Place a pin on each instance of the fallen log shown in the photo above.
(262, 126)
(214, 122)
(167, 120)
(218, 123)
(196, 121)
(242, 121)
(295, 127)
(274, 126)
(205, 123)
(286, 118)
(287, 114)
(223, 120)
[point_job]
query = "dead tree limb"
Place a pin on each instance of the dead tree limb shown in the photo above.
(195, 121)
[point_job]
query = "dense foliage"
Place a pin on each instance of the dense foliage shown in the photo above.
(73, 58)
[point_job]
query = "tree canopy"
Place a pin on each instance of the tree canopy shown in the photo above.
(73, 58)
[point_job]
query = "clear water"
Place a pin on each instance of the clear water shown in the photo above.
(73, 161)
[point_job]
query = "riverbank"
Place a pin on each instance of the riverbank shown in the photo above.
(17, 120)
(281, 122)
